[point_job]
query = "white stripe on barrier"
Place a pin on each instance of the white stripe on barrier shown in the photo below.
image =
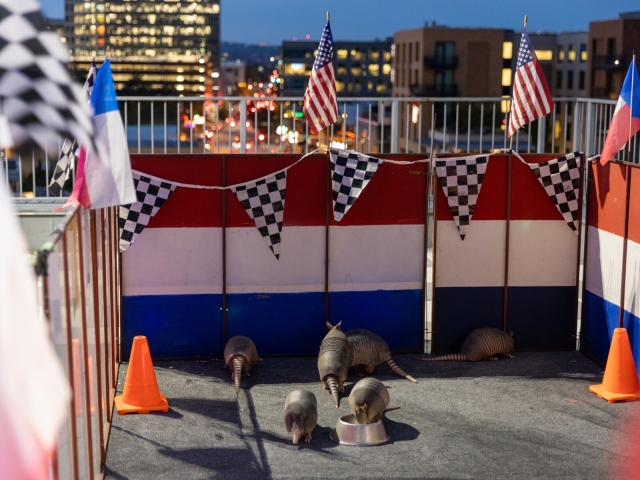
(542, 253)
(252, 268)
(376, 257)
(174, 261)
(476, 261)
(604, 264)
(632, 283)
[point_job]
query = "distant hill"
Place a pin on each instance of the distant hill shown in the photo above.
(250, 54)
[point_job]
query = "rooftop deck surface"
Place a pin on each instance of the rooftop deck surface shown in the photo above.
(528, 417)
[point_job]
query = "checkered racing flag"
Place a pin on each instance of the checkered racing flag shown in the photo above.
(134, 218)
(40, 102)
(561, 180)
(350, 174)
(69, 152)
(461, 180)
(264, 202)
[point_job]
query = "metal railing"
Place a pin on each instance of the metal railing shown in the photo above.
(263, 125)
(79, 284)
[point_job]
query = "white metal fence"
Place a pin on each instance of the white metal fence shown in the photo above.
(245, 125)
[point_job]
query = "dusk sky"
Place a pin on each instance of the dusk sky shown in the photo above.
(253, 21)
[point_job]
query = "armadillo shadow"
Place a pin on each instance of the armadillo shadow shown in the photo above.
(398, 431)
(319, 443)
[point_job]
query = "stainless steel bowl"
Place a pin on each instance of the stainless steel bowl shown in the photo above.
(348, 432)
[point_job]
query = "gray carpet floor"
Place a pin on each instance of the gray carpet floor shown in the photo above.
(528, 417)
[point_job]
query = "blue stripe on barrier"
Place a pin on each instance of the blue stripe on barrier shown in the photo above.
(459, 310)
(278, 323)
(176, 326)
(600, 318)
(542, 318)
(395, 315)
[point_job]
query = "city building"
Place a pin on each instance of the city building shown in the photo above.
(234, 77)
(362, 69)
(612, 43)
(161, 48)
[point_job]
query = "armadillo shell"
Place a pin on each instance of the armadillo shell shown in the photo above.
(240, 346)
(301, 402)
(373, 392)
(486, 342)
(334, 355)
(367, 348)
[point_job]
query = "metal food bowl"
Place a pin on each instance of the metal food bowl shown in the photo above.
(348, 432)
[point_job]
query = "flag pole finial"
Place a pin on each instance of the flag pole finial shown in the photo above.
(526, 17)
(328, 16)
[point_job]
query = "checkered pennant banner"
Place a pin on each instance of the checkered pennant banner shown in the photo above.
(350, 174)
(461, 180)
(40, 101)
(561, 180)
(264, 202)
(134, 218)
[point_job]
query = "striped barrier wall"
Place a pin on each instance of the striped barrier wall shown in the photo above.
(201, 254)
(614, 215)
(538, 256)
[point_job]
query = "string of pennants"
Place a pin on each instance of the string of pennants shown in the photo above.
(264, 198)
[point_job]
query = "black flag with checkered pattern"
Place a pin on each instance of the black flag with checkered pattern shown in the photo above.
(40, 102)
(561, 180)
(69, 151)
(461, 180)
(263, 201)
(350, 174)
(151, 194)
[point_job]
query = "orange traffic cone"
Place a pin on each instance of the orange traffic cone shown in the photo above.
(141, 394)
(620, 381)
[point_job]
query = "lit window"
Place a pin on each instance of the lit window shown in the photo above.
(386, 69)
(584, 56)
(386, 55)
(201, 79)
(295, 69)
(571, 53)
(179, 87)
(342, 70)
(356, 71)
(342, 54)
(381, 88)
(180, 78)
(506, 77)
(374, 69)
(544, 54)
(505, 104)
(339, 86)
(201, 70)
(507, 50)
(560, 53)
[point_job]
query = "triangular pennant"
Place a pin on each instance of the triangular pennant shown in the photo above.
(350, 174)
(561, 180)
(461, 180)
(135, 217)
(263, 201)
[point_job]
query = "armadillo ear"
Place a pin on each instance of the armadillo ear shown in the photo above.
(511, 333)
(364, 407)
(303, 416)
(329, 326)
(338, 324)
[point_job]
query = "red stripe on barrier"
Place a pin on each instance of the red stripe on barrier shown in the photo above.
(634, 206)
(186, 207)
(607, 192)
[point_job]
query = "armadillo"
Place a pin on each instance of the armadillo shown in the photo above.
(368, 399)
(333, 361)
(482, 344)
(241, 352)
(368, 350)
(300, 414)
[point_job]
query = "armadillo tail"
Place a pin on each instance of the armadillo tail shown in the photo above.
(399, 371)
(238, 361)
(332, 381)
(452, 356)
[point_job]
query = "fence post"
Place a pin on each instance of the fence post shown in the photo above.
(395, 126)
(243, 126)
(588, 132)
(577, 121)
(542, 134)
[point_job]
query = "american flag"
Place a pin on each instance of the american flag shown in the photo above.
(531, 95)
(320, 105)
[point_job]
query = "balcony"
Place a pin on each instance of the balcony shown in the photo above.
(441, 63)
(610, 62)
(434, 90)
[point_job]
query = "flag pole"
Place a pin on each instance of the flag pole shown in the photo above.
(633, 74)
(526, 18)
